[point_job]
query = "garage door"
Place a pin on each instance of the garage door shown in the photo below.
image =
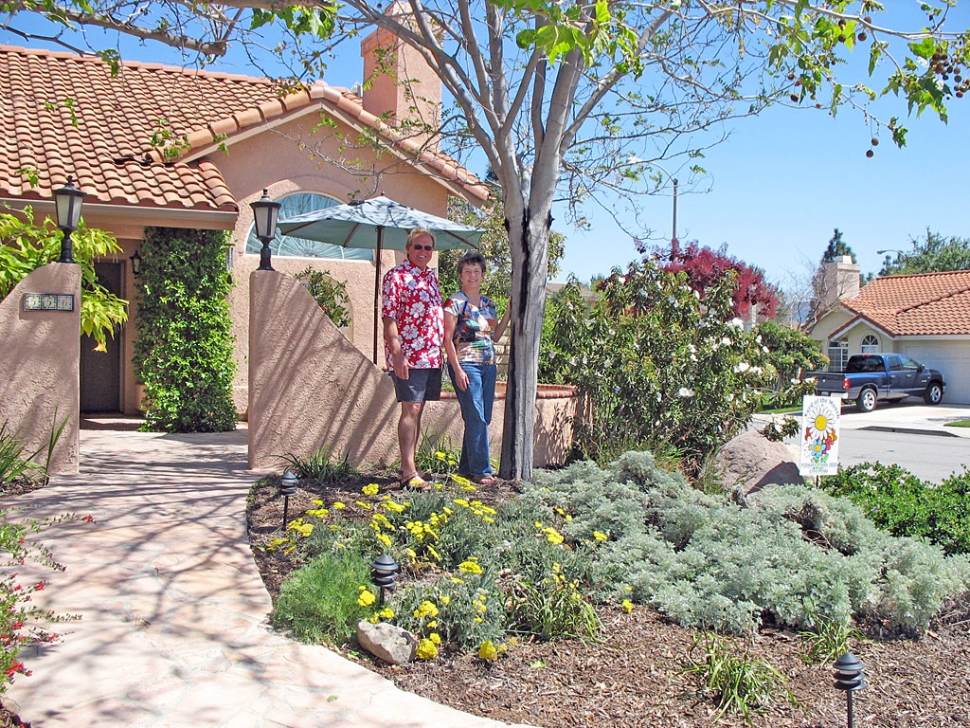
(952, 360)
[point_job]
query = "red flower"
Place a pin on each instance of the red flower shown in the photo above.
(39, 586)
(89, 519)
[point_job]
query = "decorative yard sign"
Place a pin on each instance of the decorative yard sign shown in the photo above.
(48, 302)
(820, 436)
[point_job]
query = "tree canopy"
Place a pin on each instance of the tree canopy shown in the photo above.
(582, 101)
(931, 253)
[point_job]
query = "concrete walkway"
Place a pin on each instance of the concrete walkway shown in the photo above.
(174, 614)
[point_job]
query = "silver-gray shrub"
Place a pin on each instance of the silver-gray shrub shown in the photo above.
(709, 563)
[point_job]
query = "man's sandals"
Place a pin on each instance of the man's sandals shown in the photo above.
(415, 482)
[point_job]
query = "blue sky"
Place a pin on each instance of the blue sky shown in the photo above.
(779, 186)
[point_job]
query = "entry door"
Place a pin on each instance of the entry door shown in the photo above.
(101, 370)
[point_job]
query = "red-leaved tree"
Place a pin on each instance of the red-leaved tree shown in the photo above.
(704, 267)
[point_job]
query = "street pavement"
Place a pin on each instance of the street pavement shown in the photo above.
(173, 628)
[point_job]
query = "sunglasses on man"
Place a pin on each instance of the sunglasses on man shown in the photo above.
(422, 247)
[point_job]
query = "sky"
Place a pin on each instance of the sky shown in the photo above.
(779, 185)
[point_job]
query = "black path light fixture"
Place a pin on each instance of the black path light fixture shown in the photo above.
(265, 214)
(384, 574)
(849, 677)
(67, 206)
(135, 259)
(287, 489)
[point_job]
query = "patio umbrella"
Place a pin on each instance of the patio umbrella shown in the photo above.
(377, 224)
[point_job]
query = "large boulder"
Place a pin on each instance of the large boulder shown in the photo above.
(751, 461)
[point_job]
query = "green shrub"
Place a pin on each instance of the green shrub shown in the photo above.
(828, 640)
(464, 610)
(321, 466)
(437, 455)
(318, 603)
(739, 684)
(550, 608)
(661, 368)
(329, 294)
(184, 351)
(902, 504)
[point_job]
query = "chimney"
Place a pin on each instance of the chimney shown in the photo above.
(841, 280)
(399, 86)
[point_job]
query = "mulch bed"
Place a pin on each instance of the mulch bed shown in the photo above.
(632, 678)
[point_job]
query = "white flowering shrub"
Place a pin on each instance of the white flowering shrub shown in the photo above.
(661, 368)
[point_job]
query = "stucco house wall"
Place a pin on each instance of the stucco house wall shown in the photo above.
(39, 356)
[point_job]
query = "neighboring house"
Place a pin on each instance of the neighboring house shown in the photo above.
(924, 316)
(164, 146)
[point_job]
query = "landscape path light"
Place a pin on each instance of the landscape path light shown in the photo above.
(287, 488)
(265, 214)
(849, 677)
(67, 206)
(384, 573)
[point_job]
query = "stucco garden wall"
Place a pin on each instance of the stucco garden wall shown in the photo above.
(311, 388)
(39, 359)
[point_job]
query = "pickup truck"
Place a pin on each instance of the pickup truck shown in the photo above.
(869, 378)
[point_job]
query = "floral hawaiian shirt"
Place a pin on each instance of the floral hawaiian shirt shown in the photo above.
(412, 298)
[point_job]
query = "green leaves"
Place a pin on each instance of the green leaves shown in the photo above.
(184, 351)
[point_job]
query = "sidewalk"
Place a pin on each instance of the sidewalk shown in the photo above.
(174, 625)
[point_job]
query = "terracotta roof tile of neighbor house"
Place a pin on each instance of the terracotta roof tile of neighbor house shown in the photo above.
(926, 304)
(122, 136)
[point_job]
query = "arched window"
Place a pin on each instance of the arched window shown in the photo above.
(870, 344)
(287, 246)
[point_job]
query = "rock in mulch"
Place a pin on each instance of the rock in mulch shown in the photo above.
(391, 644)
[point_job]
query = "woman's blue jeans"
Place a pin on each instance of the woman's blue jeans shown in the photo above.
(476, 410)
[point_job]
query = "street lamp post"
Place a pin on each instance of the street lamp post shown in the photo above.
(265, 212)
(67, 205)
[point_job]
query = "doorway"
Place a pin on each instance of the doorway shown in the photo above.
(100, 371)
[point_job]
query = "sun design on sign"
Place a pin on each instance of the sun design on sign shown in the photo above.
(819, 433)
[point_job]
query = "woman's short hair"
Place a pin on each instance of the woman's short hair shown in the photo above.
(419, 232)
(472, 257)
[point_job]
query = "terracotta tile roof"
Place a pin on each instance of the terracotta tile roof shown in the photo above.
(915, 305)
(65, 114)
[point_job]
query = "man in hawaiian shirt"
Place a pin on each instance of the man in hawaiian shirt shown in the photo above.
(413, 336)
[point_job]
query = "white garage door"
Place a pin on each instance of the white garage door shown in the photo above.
(953, 360)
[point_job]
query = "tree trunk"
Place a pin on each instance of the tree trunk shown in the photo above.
(529, 240)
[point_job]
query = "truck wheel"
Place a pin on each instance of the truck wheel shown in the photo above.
(933, 394)
(867, 400)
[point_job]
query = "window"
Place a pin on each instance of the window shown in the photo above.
(838, 355)
(894, 364)
(285, 245)
(909, 364)
(870, 344)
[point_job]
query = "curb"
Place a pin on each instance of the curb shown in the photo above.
(908, 430)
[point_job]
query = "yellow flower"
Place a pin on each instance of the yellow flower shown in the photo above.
(304, 529)
(427, 650)
(432, 624)
(458, 480)
(435, 637)
(459, 502)
(488, 519)
(627, 606)
(426, 609)
(470, 567)
(392, 506)
(600, 536)
(446, 600)
(338, 505)
(318, 512)
(487, 651)
(553, 536)
(448, 511)
(317, 502)
(384, 539)
(363, 504)
(434, 554)
(371, 489)
(365, 598)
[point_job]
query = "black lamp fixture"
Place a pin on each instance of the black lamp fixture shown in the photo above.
(384, 574)
(849, 677)
(265, 212)
(287, 488)
(67, 205)
(135, 259)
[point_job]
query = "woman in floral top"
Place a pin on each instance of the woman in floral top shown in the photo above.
(471, 328)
